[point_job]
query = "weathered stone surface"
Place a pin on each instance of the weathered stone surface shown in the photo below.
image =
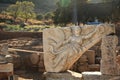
(64, 46)
(108, 62)
(69, 75)
(98, 76)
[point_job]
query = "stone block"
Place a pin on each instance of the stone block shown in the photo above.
(98, 76)
(94, 67)
(6, 70)
(6, 67)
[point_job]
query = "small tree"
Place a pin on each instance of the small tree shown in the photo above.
(27, 10)
(14, 9)
(23, 9)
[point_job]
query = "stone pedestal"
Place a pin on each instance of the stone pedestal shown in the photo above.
(98, 76)
(108, 49)
(69, 75)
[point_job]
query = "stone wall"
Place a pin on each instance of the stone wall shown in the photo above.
(26, 43)
(11, 35)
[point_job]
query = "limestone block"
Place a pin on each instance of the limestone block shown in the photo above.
(6, 67)
(69, 75)
(98, 76)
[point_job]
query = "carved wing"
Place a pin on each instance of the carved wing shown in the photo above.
(53, 36)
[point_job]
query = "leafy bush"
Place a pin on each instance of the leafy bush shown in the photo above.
(39, 17)
(49, 15)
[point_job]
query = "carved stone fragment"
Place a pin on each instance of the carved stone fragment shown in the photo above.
(64, 46)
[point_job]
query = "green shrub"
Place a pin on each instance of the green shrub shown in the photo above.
(12, 28)
(39, 17)
(49, 15)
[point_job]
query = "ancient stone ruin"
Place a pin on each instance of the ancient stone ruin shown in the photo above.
(64, 46)
(61, 51)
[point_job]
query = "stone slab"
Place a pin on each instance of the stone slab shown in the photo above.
(64, 46)
(98, 76)
(6, 67)
(69, 75)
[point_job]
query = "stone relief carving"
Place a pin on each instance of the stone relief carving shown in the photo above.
(64, 46)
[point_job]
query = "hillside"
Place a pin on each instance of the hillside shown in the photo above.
(41, 6)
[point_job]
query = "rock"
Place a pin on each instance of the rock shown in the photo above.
(35, 58)
(69, 75)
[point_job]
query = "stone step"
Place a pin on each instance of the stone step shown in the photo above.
(98, 76)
